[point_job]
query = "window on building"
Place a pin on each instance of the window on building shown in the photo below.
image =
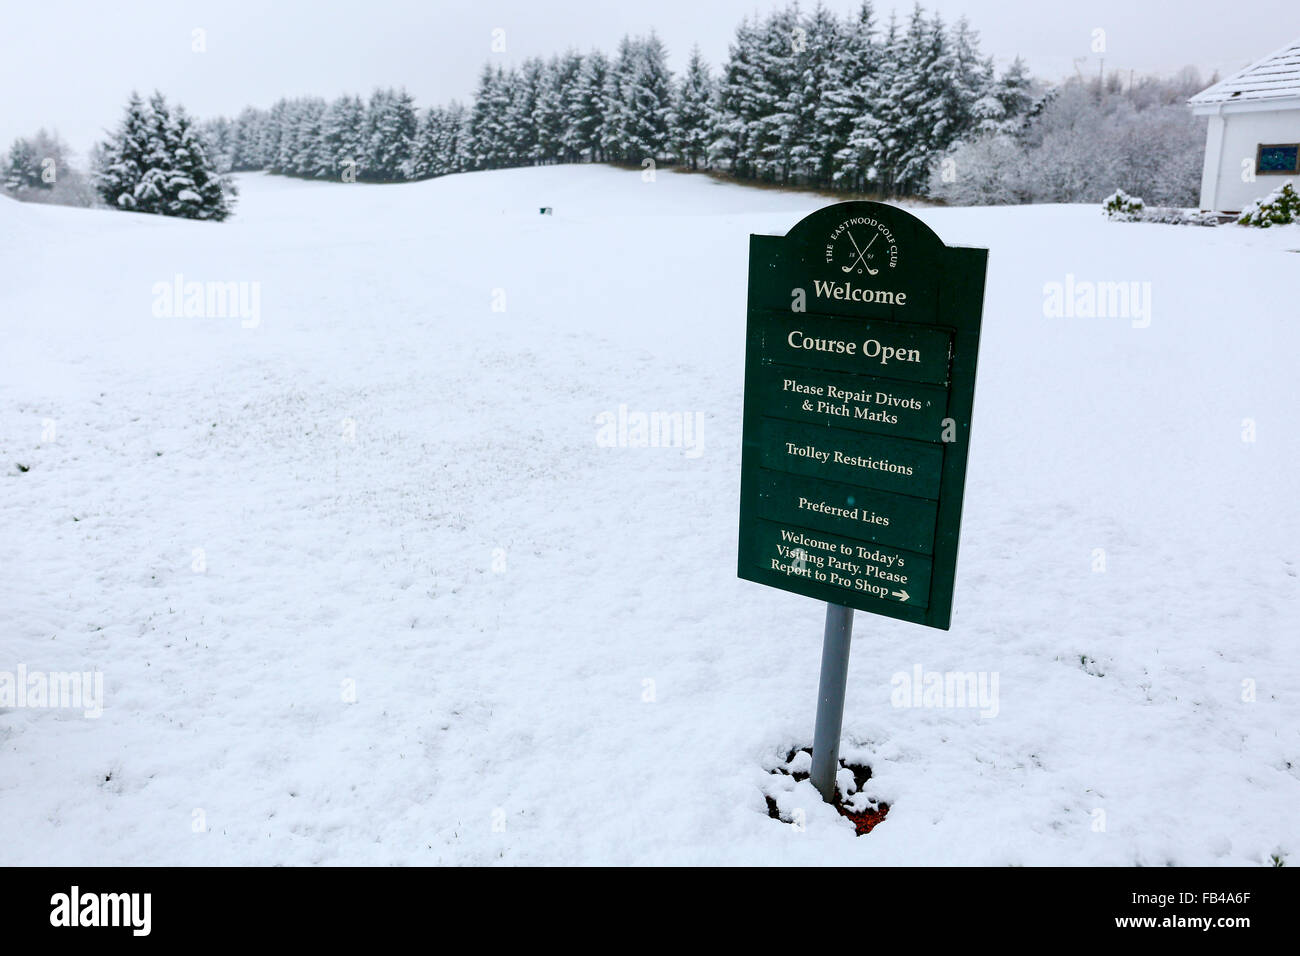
(1278, 158)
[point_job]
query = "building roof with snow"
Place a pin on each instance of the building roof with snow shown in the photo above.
(1262, 85)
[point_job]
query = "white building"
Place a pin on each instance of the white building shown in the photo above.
(1253, 142)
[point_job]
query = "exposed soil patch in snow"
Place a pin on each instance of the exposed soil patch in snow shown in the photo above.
(851, 800)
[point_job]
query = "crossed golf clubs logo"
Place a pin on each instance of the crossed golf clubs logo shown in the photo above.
(862, 254)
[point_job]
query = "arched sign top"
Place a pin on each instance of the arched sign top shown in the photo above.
(866, 241)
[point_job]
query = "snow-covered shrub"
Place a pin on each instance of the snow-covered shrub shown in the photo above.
(1119, 206)
(1278, 208)
(1173, 216)
(989, 171)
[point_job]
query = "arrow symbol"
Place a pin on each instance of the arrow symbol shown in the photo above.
(901, 595)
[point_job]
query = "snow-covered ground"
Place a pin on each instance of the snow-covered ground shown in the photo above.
(364, 588)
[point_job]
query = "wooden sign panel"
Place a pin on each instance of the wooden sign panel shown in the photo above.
(863, 332)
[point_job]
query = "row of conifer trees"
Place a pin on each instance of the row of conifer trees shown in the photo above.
(802, 98)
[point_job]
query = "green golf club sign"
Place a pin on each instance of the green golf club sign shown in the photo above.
(862, 336)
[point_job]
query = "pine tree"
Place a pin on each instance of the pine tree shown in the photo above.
(586, 106)
(521, 119)
(648, 97)
(901, 139)
(959, 79)
(776, 130)
(480, 120)
(850, 114)
(153, 191)
(490, 147)
(343, 138)
(426, 162)
(246, 147)
(218, 138)
(442, 142)
(569, 76)
(310, 155)
(819, 72)
(391, 125)
(1005, 105)
(180, 191)
(374, 147)
(456, 140)
(23, 168)
(554, 138)
(736, 131)
(123, 157)
(614, 139)
(692, 115)
(272, 131)
(195, 189)
(548, 113)
(286, 152)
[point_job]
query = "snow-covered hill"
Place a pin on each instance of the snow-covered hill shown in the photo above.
(364, 588)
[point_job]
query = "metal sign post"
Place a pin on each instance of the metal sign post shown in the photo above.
(830, 699)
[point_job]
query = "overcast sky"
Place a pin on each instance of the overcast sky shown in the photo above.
(70, 65)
